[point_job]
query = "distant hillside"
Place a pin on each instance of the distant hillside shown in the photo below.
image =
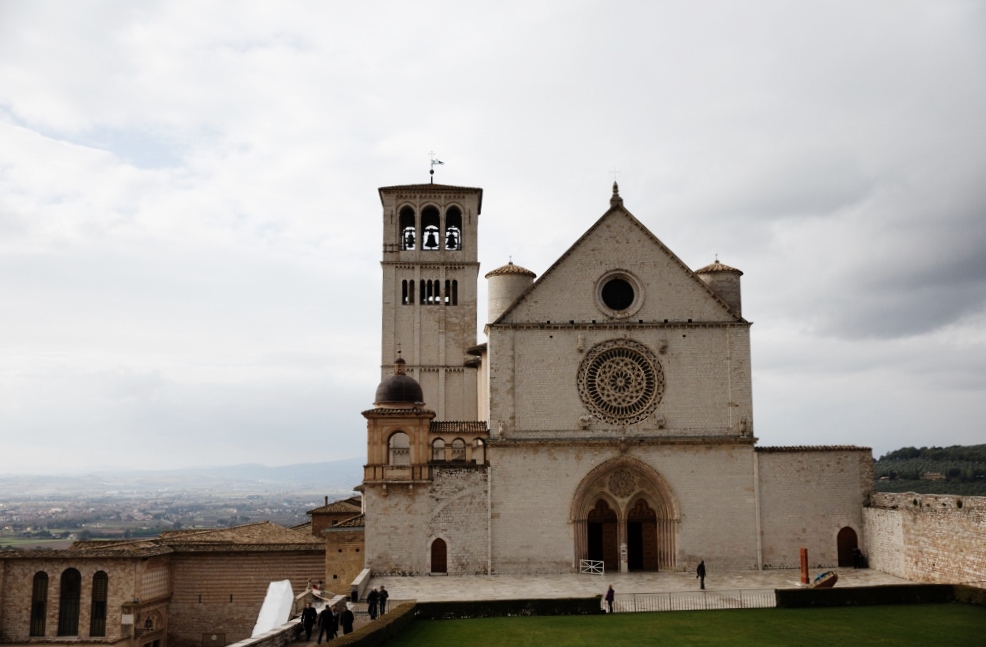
(331, 476)
(960, 469)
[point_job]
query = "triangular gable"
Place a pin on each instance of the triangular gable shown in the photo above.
(622, 242)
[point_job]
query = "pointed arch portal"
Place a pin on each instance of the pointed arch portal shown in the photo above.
(625, 503)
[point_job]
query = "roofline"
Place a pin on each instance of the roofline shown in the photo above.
(568, 252)
(435, 188)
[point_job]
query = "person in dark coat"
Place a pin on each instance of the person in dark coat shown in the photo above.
(346, 619)
(383, 599)
(308, 617)
(610, 596)
(326, 620)
(700, 574)
(371, 603)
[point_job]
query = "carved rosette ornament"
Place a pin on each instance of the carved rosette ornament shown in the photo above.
(621, 381)
(622, 483)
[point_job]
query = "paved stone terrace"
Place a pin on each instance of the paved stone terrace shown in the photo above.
(511, 587)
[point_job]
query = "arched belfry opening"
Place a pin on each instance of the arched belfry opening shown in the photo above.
(431, 229)
(453, 229)
(408, 228)
(624, 503)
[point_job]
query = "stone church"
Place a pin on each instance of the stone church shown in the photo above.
(607, 417)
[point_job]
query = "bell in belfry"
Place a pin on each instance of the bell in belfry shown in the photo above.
(431, 240)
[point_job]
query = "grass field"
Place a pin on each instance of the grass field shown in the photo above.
(954, 625)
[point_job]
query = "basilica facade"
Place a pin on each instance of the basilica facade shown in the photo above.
(607, 417)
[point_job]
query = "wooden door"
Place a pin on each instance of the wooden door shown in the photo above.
(439, 556)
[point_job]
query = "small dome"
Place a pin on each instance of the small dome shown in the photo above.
(510, 268)
(718, 267)
(399, 388)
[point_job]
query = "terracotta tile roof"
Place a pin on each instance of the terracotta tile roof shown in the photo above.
(92, 550)
(359, 521)
(510, 268)
(718, 267)
(814, 448)
(264, 535)
(346, 505)
(458, 427)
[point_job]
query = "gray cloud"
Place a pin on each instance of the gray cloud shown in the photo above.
(191, 228)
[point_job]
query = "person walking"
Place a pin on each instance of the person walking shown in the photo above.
(325, 624)
(371, 603)
(346, 619)
(308, 616)
(383, 599)
(700, 574)
(610, 596)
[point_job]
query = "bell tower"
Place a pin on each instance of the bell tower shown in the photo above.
(430, 272)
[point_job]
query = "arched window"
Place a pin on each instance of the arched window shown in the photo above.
(479, 452)
(458, 450)
(453, 229)
(407, 228)
(39, 604)
(430, 231)
(407, 292)
(400, 449)
(97, 614)
(68, 603)
(438, 450)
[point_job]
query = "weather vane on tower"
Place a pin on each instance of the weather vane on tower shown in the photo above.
(434, 161)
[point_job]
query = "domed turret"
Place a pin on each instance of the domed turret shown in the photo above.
(724, 281)
(399, 389)
(505, 285)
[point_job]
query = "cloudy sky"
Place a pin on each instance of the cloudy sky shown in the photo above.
(190, 230)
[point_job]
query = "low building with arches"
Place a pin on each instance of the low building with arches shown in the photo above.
(608, 416)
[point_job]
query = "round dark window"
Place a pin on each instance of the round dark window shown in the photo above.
(618, 294)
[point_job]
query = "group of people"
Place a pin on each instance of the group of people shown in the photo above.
(377, 600)
(329, 621)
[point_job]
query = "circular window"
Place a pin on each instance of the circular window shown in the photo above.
(621, 381)
(618, 294)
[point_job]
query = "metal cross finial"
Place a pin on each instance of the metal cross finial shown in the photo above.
(615, 171)
(434, 161)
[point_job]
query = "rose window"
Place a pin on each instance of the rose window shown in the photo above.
(621, 381)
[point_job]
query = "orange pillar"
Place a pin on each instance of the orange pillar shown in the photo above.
(804, 565)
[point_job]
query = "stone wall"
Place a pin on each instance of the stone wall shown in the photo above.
(534, 486)
(927, 537)
(807, 495)
(345, 554)
(404, 519)
(18, 583)
(220, 593)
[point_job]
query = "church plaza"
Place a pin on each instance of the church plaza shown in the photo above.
(513, 587)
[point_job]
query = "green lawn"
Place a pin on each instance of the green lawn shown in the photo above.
(955, 625)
